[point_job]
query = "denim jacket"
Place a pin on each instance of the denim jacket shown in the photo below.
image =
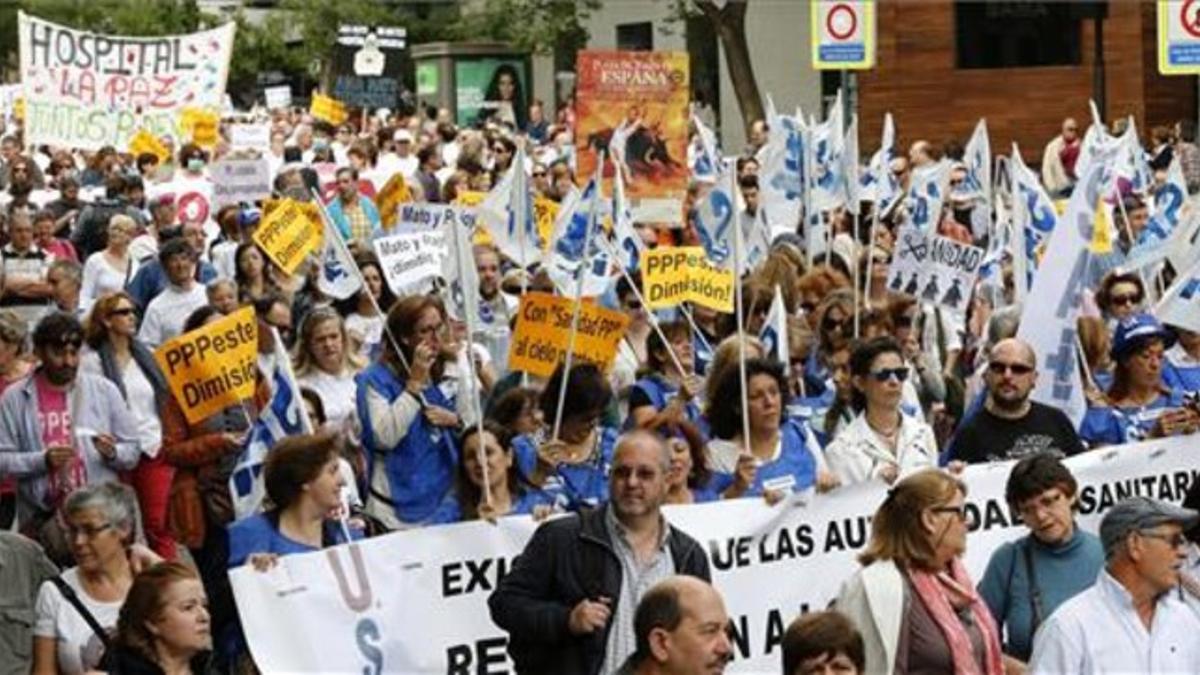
(95, 405)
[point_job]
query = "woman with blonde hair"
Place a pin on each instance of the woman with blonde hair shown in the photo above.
(326, 363)
(912, 599)
(111, 269)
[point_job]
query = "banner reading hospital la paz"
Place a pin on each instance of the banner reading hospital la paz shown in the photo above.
(416, 601)
(637, 103)
(87, 90)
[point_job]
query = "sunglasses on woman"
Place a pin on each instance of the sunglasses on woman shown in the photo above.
(885, 374)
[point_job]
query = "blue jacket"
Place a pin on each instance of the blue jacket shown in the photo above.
(573, 486)
(95, 404)
(1112, 425)
(794, 469)
(338, 216)
(420, 469)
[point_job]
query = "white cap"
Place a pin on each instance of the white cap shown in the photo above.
(402, 135)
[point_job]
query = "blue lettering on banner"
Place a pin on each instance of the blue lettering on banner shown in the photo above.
(366, 631)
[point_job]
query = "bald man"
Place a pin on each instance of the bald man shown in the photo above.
(568, 601)
(681, 629)
(1010, 425)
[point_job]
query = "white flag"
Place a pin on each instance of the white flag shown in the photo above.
(978, 160)
(878, 182)
(850, 164)
(1180, 305)
(337, 278)
(508, 212)
(926, 193)
(628, 242)
(1048, 324)
(828, 144)
(781, 172)
(570, 256)
(461, 292)
(706, 157)
(715, 217)
(774, 333)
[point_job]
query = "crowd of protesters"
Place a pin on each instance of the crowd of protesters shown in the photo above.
(101, 263)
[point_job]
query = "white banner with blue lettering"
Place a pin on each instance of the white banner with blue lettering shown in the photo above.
(416, 601)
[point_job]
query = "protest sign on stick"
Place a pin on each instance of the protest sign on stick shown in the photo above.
(388, 200)
(288, 234)
(212, 367)
(410, 259)
(240, 181)
(935, 269)
(671, 275)
(539, 341)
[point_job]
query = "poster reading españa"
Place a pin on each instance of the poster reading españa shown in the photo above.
(636, 103)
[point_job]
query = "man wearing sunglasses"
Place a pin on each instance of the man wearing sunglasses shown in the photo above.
(1010, 425)
(1132, 620)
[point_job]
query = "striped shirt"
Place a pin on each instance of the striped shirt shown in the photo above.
(636, 579)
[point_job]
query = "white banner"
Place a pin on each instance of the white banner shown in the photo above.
(240, 180)
(935, 269)
(409, 260)
(278, 97)
(87, 90)
(416, 601)
(250, 136)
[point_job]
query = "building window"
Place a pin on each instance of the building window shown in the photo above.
(1016, 34)
(635, 37)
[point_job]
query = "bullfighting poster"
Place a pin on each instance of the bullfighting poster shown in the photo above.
(634, 107)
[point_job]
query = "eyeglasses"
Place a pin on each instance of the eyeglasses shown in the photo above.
(1176, 540)
(88, 531)
(123, 311)
(1127, 299)
(904, 321)
(885, 374)
(1000, 368)
(959, 511)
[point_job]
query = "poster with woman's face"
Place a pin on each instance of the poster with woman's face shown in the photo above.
(491, 89)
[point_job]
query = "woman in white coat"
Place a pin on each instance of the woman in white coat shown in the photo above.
(912, 600)
(882, 442)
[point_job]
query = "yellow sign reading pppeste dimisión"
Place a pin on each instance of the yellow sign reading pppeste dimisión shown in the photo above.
(212, 367)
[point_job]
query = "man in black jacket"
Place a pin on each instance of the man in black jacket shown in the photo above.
(569, 600)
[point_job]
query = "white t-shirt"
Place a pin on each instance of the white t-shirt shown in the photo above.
(336, 393)
(224, 259)
(167, 312)
(140, 394)
(100, 277)
(143, 246)
(79, 649)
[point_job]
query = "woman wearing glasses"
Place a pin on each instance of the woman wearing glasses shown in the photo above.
(101, 522)
(1027, 579)
(912, 599)
(114, 352)
(883, 442)
(1120, 295)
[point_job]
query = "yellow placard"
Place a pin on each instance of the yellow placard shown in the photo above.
(1102, 230)
(388, 200)
(18, 109)
(328, 108)
(200, 125)
(545, 212)
(212, 367)
(671, 275)
(288, 233)
(144, 141)
(540, 339)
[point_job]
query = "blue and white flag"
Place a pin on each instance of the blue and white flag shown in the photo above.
(926, 194)
(1095, 138)
(878, 182)
(1033, 219)
(828, 174)
(508, 203)
(1170, 208)
(706, 158)
(977, 158)
(774, 333)
(627, 240)
(1180, 305)
(715, 217)
(1048, 325)
(781, 172)
(569, 262)
(284, 416)
(849, 160)
(337, 278)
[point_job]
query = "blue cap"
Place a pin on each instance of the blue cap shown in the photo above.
(1133, 331)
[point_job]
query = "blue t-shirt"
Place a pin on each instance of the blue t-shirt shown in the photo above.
(573, 486)
(1114, 425)
(794, 470)
(260, 534)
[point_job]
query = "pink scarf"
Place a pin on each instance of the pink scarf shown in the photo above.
(935, 591)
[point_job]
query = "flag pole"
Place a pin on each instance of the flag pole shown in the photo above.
(649, 314)
(581, 271)
(468, 311)
(854, 273)
(741, 328)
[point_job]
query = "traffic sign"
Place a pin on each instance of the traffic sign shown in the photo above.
(1179, 37)
(843, 34)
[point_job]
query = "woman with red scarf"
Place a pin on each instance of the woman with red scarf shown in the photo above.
(912, 600)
